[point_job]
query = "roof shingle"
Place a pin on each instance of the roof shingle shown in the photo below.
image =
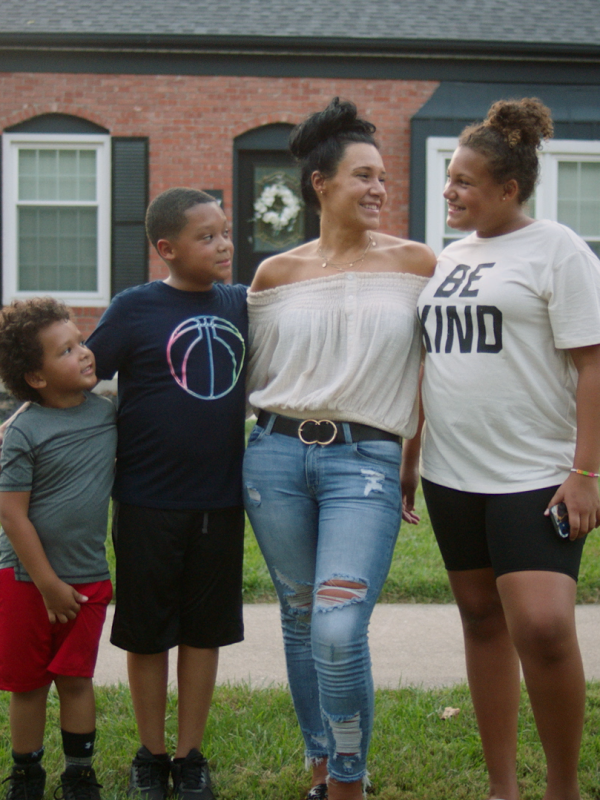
(569, 22)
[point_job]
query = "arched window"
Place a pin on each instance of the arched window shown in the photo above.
(73, 207)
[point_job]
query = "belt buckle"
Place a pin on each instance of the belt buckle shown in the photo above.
(317, 422)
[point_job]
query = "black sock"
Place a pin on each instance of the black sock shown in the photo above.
(28, 758)
(78, 747)
(143, 752)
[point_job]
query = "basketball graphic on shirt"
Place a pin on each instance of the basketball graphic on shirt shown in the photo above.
(206, 356)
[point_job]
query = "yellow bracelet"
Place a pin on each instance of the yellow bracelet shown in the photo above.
(585, 472)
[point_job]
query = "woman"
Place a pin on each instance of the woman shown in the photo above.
(511, 324)
(333, 377)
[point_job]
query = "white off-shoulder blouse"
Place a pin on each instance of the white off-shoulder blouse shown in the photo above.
(343, 347)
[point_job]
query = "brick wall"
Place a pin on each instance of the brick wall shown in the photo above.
(191, 122)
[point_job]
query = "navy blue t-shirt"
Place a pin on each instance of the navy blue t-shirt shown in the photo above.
(181, 362)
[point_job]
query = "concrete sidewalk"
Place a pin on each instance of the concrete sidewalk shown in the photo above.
(411, 645)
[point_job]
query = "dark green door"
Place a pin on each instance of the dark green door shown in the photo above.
(271, 216)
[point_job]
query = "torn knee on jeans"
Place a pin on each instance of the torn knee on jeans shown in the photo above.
(300, 595)
(347, 735)
(339, 592)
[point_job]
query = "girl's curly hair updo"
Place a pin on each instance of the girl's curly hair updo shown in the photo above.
(319, 142)
(509, 138)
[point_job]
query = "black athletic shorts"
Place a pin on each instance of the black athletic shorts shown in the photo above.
(507, 532)
(179, 578)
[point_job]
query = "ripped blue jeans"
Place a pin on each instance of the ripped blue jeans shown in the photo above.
(326, 519)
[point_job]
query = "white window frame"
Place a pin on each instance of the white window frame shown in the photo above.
(439, 148)
(11, 144)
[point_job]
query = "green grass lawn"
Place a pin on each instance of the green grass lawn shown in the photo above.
(256, 753)
(253, 742)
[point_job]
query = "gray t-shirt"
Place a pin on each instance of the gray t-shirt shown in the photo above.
(65, 458)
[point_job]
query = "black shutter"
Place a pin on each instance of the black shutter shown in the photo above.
(129, 202)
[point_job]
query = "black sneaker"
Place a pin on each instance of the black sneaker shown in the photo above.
(78, 783)
(318, 792)
(191, 778)
(149, 776)
(27, 782)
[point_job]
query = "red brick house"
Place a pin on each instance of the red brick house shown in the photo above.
(105, 105)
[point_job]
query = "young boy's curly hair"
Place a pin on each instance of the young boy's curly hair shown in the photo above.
(20, 348)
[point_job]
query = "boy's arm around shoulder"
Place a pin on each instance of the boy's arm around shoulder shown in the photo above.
(61, 600)
(111, 338)
(11, 419)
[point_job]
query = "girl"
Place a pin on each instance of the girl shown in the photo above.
(511, 324)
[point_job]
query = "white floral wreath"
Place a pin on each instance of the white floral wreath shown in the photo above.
(285, 217)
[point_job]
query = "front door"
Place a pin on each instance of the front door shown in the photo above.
(271, 215)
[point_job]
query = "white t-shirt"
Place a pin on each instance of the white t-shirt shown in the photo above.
(498, 318)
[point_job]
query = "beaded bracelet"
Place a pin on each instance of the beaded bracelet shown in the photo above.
(585, 472)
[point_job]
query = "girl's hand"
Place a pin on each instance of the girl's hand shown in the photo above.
(580, 494)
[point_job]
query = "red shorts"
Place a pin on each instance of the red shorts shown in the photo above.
(32, 650)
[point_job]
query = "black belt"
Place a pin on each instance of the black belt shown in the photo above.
(323, 431)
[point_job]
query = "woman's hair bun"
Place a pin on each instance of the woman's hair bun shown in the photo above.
(340, 118)
(521, 122)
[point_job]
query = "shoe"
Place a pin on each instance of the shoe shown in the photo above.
(78, 783)
(318, 792)
(191, 778)
(27, 782)
(149, 776)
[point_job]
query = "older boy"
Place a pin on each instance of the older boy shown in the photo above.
(179, 348)
(57, 472)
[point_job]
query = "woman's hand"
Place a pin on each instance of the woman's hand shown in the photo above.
(580, 495)
(409, 482)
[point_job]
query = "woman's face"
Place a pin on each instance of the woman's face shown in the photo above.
(356, 193)
(475, 201)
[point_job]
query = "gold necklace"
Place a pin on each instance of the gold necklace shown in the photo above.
(342, 266)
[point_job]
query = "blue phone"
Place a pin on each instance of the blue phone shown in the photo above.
(560, 519)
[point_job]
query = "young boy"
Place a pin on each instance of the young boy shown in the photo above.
(179, 347)
(57, 472)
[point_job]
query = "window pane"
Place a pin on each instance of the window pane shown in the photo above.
(47, 163)
(567, 212)
(68, 175)
(595, 247)
(57, 249)
(567, 179)
(590, 179)
(579, 196)
(87, 162)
